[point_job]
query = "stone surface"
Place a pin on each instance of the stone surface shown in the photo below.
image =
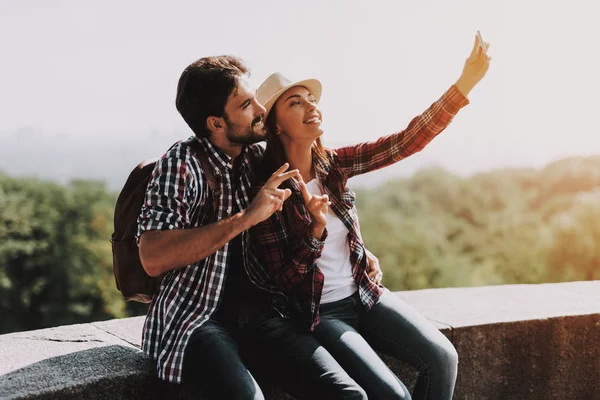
(20, 349)
(110, 372)
(127, 329)
(556, 358)
(521, 342)
(458, 307)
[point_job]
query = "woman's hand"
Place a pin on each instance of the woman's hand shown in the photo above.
(317, 206)
(374, 271)
(475, 67)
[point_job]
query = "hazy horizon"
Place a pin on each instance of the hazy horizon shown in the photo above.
(87, 164)
(87, 89)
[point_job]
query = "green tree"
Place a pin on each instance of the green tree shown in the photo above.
(55, 257)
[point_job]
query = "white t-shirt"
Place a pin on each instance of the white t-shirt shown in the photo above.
(334, 262)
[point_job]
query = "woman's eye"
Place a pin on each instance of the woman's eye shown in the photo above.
(295, 103)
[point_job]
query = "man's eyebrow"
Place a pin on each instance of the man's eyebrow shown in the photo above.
(245, 103)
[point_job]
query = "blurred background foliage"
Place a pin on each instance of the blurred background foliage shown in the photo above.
(434, 229)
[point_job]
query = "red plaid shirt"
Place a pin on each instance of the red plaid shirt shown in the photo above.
(284, 244)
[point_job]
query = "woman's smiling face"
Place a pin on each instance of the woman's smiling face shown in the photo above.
(297, 115)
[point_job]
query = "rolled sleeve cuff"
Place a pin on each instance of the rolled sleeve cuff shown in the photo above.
(453, 100)
(153, 220)
(313, 244)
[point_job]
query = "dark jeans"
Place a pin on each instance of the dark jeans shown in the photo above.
(276, 352)
(213, 367)
(295, 360)
(352, 336)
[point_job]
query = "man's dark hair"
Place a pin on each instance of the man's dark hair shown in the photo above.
(204, 87)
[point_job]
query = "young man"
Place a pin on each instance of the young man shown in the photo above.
(192, 321)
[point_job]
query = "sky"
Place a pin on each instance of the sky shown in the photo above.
(99, 77)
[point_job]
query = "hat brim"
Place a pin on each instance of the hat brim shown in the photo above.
(313, 85)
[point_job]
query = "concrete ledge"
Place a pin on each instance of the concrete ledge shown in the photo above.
(514, 342)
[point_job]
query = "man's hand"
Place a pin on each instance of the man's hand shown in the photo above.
(317, 206)
(374, 271)
(270, 198)
(475, 67)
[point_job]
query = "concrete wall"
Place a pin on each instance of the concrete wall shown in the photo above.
(514, 342)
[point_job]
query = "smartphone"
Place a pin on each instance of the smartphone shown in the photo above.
(481, 42)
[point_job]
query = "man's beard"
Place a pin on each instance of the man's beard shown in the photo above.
(245, 136)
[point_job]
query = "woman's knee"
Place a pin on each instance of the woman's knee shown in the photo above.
(453, 356)
(450, 355)
(394, 391)
(445, 357)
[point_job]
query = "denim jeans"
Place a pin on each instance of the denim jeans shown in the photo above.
(220, 356)
(294, 360)
(392, 327)
(213, 367)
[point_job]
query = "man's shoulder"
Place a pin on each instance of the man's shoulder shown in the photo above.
(180, 150)
(177, 160)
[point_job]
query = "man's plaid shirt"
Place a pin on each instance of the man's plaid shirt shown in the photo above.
(175, 199)
(284, 244)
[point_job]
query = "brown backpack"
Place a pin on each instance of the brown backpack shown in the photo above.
(131, 278)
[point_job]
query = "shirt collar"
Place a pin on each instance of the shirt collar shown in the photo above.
(321, 167)
(220, 160)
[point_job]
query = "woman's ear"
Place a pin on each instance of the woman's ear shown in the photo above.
(277, 130)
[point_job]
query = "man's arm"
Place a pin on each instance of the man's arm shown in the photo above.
(165, 250)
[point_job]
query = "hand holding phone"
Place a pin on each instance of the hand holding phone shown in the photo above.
(475, 67)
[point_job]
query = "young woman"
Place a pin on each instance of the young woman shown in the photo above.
(312, 248)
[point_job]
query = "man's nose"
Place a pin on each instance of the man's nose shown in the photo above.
(259, 109)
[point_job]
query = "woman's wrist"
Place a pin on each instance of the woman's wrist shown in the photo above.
(317, 231)
(464, 86)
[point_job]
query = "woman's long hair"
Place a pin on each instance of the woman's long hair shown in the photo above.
(275, 157)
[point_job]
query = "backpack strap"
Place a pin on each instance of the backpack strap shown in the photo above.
(203, 159)
(209, 174)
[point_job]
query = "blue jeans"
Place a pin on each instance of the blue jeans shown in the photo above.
(352, 335)
(220, 356)
(294, 360)
(213, 367)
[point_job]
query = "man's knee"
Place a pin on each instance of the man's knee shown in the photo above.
(246, 391)
(354, 392)
(235, 387)
(212, 363)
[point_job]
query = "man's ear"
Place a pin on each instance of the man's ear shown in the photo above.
(215, 124)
